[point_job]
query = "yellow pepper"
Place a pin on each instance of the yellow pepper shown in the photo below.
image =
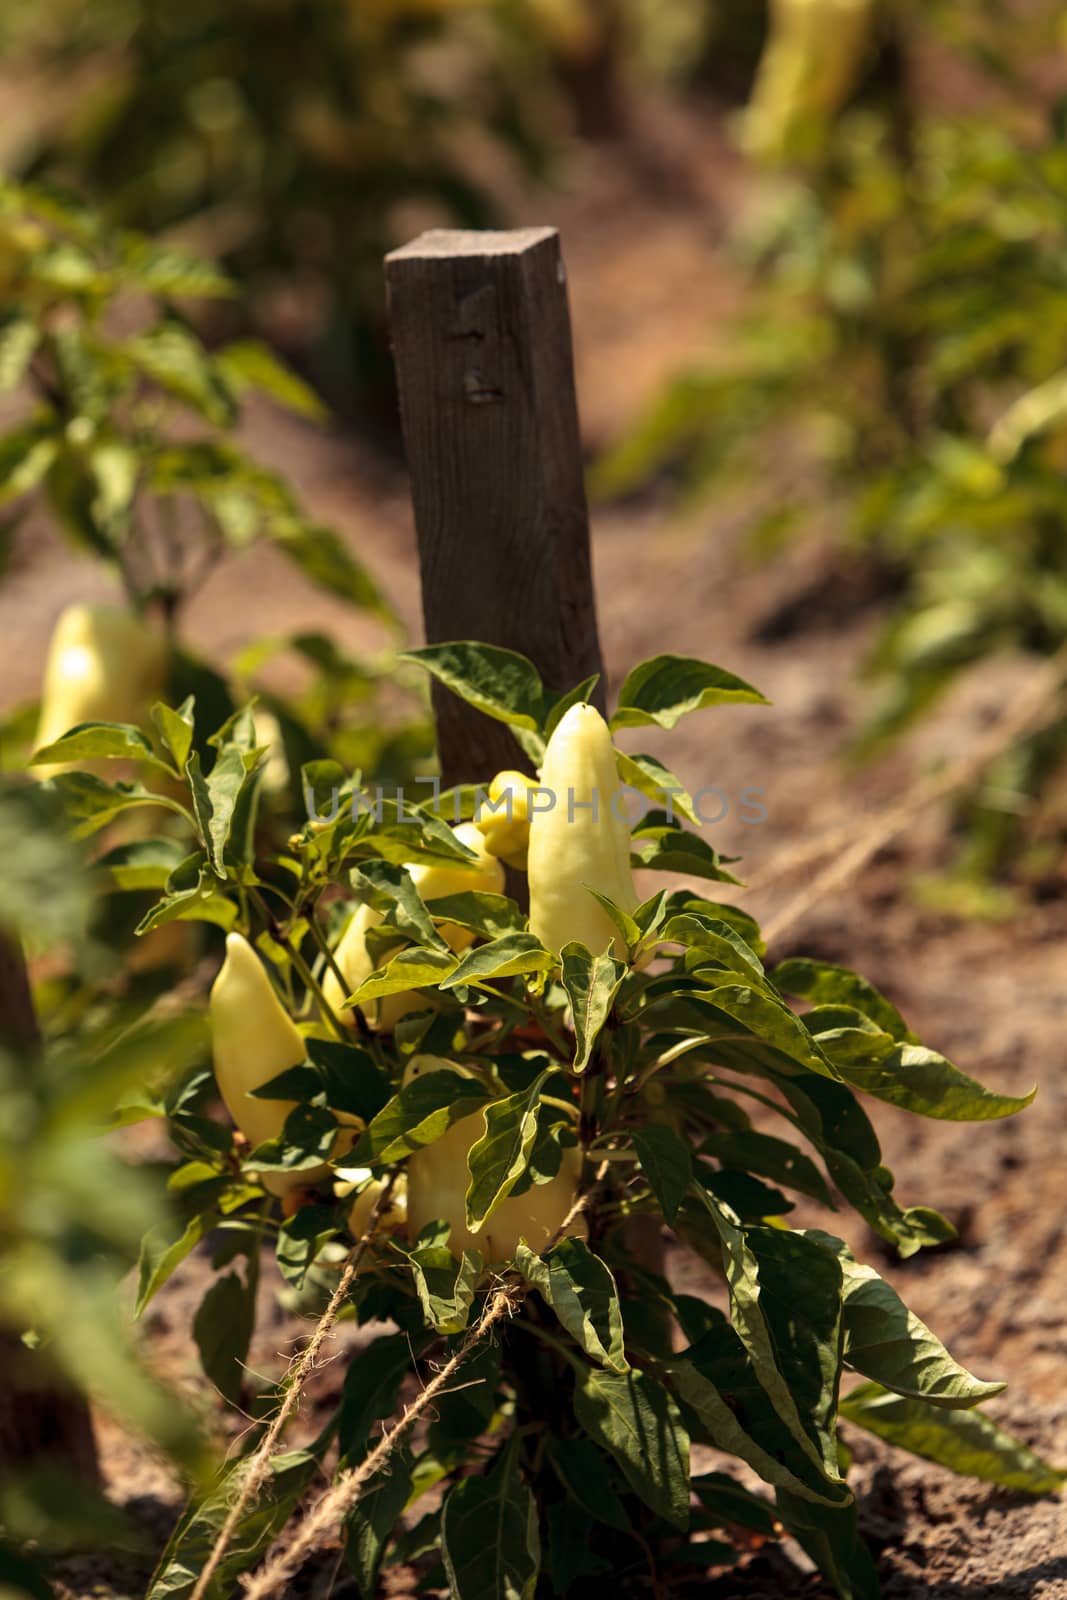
(432, 882)
(104, 665)
(507, 830)
(580, 843)
(253, 1040)
(809, 68)
(438, 1179)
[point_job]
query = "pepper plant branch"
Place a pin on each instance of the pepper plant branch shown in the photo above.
(332, 1507)
(259, 1464)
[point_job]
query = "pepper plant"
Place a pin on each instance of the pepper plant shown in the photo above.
(539, 1097)
(904, 333)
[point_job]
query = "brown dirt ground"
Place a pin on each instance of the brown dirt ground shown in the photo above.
(650, 289)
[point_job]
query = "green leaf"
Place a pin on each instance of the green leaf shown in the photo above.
(501, 683)
(19, 338)
(722, 1496)
(143, 863)
(667, 1164)
(371, 1391)
(500, 1157)
(591, 982)
(920, 1080)
(490, 1542)
(510, 955)
(583, 1472)
(174, 358)
(664, 689)
(101, 741)
(674, 850)
(390, 890)
(445, 1287)
(306, 1141)
(570, 1555)
(714, 943)
(746, 1150)
(825, 984)
(629, 928)
(222, 1329)
(224, 805)
(162, 1254)
(372, 1520)
(831, 1537)
(841, 1130)
(731, 1007)
(249, 364)
(323, 557)
(786, 1306)
(650, 778)
(192, 1541)
(887, 1342)
(967, 1442)
(175, 729)
(344, 1077)
(411, 969)
(634, 1418)
(26, 455)
(717, 1383)
(422, 1111)
(301, 1237)
(491, 915)
(579, 1287)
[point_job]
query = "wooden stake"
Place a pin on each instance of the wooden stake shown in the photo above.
(482, 342)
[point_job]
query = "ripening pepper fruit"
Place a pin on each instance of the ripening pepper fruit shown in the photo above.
(507, 830)
(438, 1178)
(810, 65)
(104, 665)
(580, 843)
(432, 882)
(253, 1039)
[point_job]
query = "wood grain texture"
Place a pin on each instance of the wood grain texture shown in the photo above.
(41, 1421)
(482, 341)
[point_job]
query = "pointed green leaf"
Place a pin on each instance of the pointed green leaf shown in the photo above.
(500, 683)
(420, 1113)
(967, 1442)
(667, 1164)
(101, 741)
(920, 1080)
(591, 982)
(490, 1542)
(175, 729)
(634, 1418)
(389, 889)
(664, 689)
(445, 1287)
(411, 969)
(511, 955)
(656, 782)
(579, 1287)
(500, 1157)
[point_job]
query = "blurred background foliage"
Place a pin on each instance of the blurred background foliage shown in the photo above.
(902, 353)
(303, 138)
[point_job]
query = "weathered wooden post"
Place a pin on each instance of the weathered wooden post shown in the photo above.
(482, 340)
(485, 369)
(41, 1423)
